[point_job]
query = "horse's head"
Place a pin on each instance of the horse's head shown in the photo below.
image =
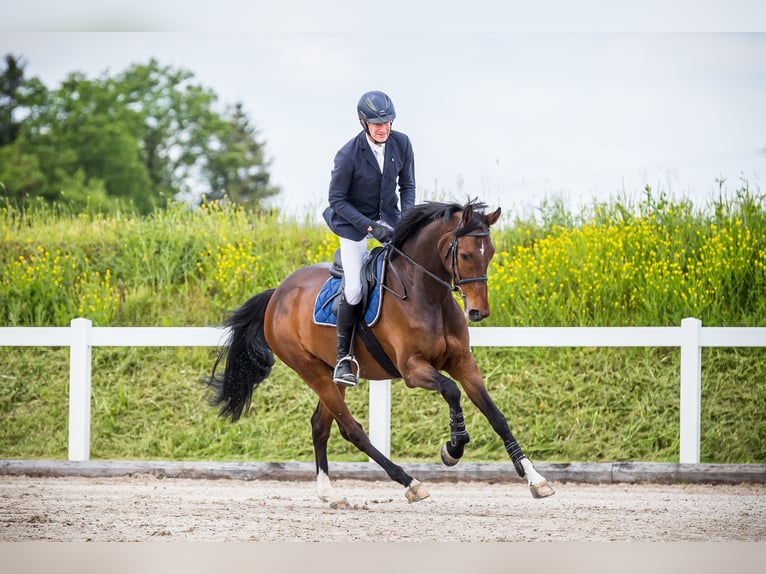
(466, 253)
(464, 248)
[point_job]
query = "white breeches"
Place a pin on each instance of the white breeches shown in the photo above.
(351, 256)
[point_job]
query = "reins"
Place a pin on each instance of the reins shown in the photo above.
(390, 247)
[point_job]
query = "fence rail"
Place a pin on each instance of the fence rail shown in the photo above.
(690, 337)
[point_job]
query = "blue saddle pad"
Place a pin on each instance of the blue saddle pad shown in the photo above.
(323, 313)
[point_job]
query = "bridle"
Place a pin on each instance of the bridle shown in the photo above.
(456, 280)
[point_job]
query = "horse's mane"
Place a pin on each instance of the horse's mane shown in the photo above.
(424, 213)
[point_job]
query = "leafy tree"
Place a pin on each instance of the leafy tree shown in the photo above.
(11, 81)
(84, 126)
(144, 136)
(237, 168)
(20, 172)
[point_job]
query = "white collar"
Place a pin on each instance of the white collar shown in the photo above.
(375, 146)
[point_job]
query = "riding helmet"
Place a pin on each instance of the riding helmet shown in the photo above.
(375, 108)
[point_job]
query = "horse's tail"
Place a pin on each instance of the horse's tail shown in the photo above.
(248, 358)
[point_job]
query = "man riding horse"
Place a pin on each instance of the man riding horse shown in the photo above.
(435, 251)
(363, 203)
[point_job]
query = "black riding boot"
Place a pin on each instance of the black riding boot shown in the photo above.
(344, 372)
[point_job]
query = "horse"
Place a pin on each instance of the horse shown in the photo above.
(437, 249)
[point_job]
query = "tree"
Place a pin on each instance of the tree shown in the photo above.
(85, 126)
(11, 82)
(237, 168)
(146, 136)
(187, 146)
(20, 172)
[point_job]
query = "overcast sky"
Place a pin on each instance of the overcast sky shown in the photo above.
(508, 113)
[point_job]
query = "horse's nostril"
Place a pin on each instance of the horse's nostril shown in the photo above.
(475, 315)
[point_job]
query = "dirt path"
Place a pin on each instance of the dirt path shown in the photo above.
(145, 508)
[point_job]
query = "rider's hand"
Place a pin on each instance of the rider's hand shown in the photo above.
(381, 232)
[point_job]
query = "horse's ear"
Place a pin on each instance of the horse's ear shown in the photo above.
(467, 215)
(493, 217)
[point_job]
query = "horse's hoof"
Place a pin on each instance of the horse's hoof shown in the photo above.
(341, 504)
(541, 489)
(447, 459)
(416, 492)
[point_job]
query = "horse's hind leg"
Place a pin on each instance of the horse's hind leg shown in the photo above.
(321, 425)
(333, 406)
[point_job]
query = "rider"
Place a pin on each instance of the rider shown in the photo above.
(363, 203)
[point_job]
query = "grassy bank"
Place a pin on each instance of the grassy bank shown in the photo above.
(562, 404)
(649, 263)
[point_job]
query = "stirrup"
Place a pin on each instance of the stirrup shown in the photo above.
(348, 379)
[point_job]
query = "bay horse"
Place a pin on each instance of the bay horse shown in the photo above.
(437, 249)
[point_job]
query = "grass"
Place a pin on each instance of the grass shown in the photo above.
(616, 263)
(562, 405)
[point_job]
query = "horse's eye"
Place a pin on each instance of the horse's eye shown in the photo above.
(464, 257)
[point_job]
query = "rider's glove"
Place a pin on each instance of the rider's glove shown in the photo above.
(382, 233)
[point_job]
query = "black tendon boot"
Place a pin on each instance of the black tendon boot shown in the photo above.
(344, 370)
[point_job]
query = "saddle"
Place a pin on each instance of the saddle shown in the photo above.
(327, 300)
(373, 268)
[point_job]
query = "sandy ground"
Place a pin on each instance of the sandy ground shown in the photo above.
(145, 508)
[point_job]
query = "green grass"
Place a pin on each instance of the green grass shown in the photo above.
(650, 263)
(562, 405)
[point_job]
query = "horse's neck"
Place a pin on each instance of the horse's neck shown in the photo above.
(428, 249)
(419, 283)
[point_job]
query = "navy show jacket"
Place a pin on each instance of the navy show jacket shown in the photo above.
(360, 194)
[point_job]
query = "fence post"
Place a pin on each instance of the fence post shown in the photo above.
(79, 390)
(691, 390)
(380, 416)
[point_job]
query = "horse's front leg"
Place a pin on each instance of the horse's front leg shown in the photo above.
(474, 387)
(452, 451)
(421, 374)
(538, 485)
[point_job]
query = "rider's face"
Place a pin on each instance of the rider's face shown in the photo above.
(379, 132)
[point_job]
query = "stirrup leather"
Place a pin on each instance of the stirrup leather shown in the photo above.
(348, 382)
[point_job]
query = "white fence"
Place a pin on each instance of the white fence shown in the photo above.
(690, 337)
